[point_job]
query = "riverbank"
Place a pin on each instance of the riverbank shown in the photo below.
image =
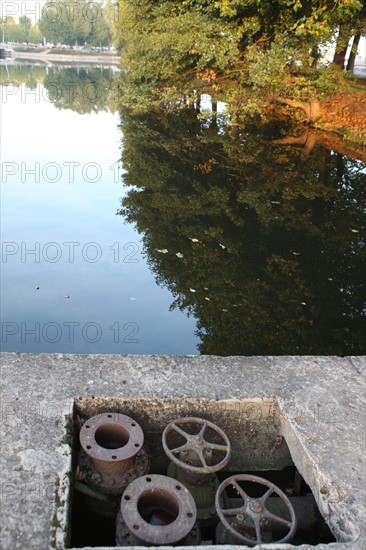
(345, 114)
(68, 56)
(341, 118)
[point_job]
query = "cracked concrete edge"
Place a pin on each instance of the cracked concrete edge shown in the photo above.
(358, 363)
(325, 493)
(272, 546)
(61, 510)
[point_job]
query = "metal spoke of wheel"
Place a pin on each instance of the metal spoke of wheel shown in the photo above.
(233, 511)
(180, 431)
(277, 519)
(201, 457)
(196, 442)
(216, 447)
(184, 447)
(202, 430)
(254, 508)
(266, 495)
(257, 530)
(239, 490)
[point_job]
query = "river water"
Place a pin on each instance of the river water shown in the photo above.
(142, 232)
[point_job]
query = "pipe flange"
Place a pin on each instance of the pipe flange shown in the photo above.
(111, 437)
(110, 484)
(111, 441)
(125, 538)
(158, 510)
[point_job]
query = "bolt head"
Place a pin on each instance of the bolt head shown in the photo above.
(256, 506)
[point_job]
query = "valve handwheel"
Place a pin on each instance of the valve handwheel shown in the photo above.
(253, 509)
(197, 444)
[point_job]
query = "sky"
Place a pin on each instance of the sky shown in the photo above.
(16, 8)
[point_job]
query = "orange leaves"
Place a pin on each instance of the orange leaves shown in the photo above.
(205, 167)
(209, 75)
(347, 112)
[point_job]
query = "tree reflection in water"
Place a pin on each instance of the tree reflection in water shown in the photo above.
(264, 243)
(80, 89)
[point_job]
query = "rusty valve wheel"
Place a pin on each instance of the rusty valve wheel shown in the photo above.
(158, 510)
(111, 440)
(253, 509)
(197, 444)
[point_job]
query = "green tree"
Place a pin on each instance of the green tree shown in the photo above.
(270, 47)
(66, 22)
(100, 34)
(110, 14)
(35, 36)
(26, 24)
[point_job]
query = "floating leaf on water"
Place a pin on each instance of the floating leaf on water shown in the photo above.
(162, 250)
(195, 240)
(192, 290)
(179, 255)
(354, 230)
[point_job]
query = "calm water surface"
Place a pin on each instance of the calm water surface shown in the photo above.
(114, 304)
(224, 242)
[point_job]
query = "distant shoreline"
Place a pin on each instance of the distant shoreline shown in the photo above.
(69, 57)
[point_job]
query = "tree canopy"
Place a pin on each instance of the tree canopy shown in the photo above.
(70, 23)
(23, 31)
(272, 47)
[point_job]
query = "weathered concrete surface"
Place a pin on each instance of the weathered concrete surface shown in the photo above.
(319, 407)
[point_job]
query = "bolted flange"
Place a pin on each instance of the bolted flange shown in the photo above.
(111, 457)
(111, 441)
(157, 510)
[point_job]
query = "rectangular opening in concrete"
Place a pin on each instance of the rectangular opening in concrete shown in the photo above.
(100, 476)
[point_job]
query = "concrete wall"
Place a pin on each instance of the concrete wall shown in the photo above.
(317, 404)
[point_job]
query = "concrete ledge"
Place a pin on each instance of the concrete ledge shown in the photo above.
(319, 409)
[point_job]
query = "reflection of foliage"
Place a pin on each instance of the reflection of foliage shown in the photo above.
(83, 90)
(278, 262)
(21, 74)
